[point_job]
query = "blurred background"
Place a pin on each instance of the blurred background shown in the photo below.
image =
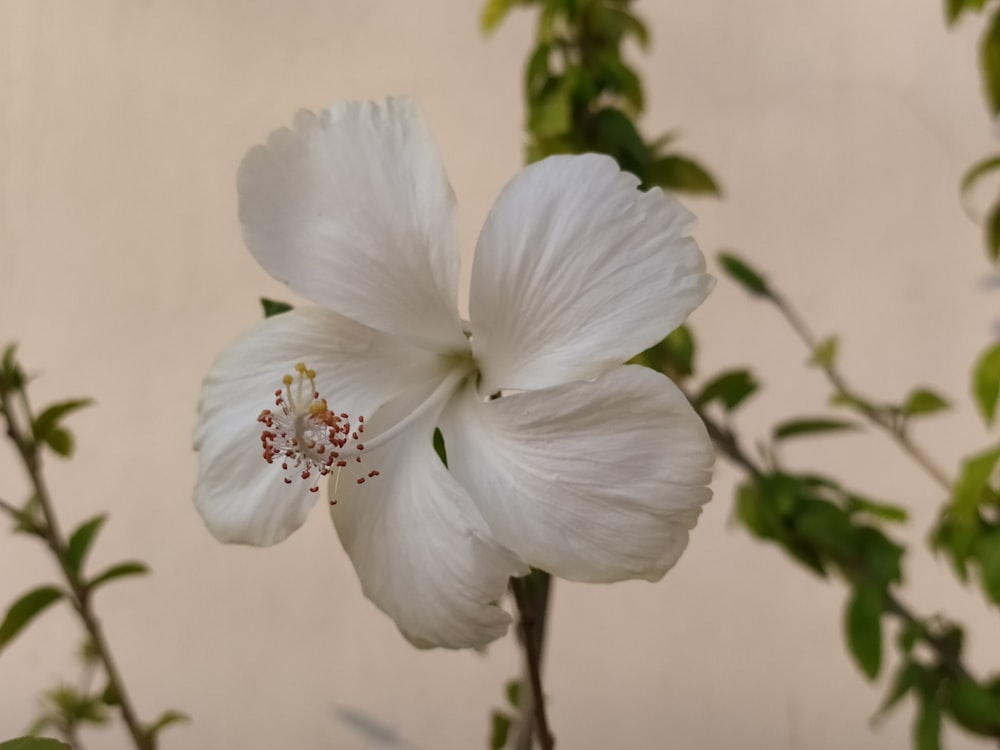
(839, 130)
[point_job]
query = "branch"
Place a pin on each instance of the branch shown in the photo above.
(80, 599)
(531, 594)
(889, 423)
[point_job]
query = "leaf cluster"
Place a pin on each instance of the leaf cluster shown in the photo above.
(582, 95)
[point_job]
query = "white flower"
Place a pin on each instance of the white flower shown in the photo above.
(589, 469)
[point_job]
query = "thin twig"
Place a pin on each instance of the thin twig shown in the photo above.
(532, 622)
(892, 426)
(9, 508)
(78, 590)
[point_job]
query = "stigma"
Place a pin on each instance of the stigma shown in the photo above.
(305, 437)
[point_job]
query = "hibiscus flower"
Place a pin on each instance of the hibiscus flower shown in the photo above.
(558, 455)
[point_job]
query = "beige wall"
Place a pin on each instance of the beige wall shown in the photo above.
(839, 128)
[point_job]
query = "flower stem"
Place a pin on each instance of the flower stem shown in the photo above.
(79, 592)
(531, 594)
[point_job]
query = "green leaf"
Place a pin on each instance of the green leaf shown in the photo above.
(863, 625)
(80, 541)
(989, 61)
(744, 275)
(927, 727)
(513, 691)
(499, 730)
(955, 8)
(674, 356)
(110, 696)
(11, 375)
(273, 307)
(53, 415)
(986, 382)
(552, 114)
(60, 441)
(810, 426)
(986, 549)
(615, 134)
(25, 609)
(682, 174)
(975, 707)
(825, 353)
(923, 401)
(979, 170)
(33, 743)
(881, 557)
(132, 568)
(731, 388)
(493, 14)
(885, 511)
(631, 25)
(973, 482)
(439, 447)
(166, 719)
(991, 230)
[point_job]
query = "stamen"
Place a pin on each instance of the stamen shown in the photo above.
(306, 436)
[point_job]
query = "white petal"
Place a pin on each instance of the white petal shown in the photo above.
(353, 210)
(576, 271)
(594, 481)
(240, 496)
(420, 548)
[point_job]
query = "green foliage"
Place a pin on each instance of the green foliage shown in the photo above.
(989, 62)
(501, 720)
(12, 377)
(121, 570)
(927, 727)
(802, 426)
(986, 382)
(825, 354)
(863, 626)
(741, 272)
(955, 8)
(730, 388)
(673, 356)
(81, 540)
(26, 609)
(923, 401)
(167, 718)
(273, 307)
(582, 95)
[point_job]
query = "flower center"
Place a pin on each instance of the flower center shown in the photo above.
(307, 438)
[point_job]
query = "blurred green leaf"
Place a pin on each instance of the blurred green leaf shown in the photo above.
(60, 441)
(989, 62)
(973, 482)
(979, 170)
(513, 691)
(991, 230)
(494, 12)
(110, 695)
(682, 174)
(631, 25)
(25, 609)
(731, 388)
(885, 511)
(826, 352)
(499, 730)
(46, 427)
(273, 307)
(166, 719)
(80, 541)
(880, 556)
(986, 382)
(803, 426)
(33, 743)
(744, 275)
(551, 114)
(986, 549)
(674, 356)
(923, 401)
(121, 570)
(864, 629)
(955, 8)
(11, 375)
(973, 706)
